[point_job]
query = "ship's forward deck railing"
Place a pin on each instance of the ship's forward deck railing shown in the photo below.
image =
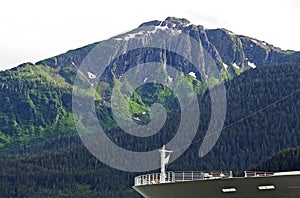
(257, 173)
(180, 176)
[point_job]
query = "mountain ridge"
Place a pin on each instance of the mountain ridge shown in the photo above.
(245, 52)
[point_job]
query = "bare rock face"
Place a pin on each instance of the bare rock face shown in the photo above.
(233, 53)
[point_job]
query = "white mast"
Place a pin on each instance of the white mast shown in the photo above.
(164, 160)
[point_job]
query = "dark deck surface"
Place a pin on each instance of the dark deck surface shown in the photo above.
(285, 187)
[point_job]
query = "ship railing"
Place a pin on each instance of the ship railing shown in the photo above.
(153, 178)
(201, 175)
(257, 174)
(180, 176)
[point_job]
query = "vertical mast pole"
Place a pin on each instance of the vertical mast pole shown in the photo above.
(164, 160)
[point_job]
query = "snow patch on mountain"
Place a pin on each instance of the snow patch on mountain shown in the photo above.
(131, 36)
(225, 66)
(252, 65)
(157, 28)
(193, 74)
(235, 65)
(254, 41)
(137, 118)
(91, 75)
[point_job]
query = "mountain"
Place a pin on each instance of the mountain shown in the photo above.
(36, 117)
(36, 98)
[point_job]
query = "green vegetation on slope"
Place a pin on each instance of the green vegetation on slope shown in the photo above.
(287, 160)
(70, 173)
(252, 134)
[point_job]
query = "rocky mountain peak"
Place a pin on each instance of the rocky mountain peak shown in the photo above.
(176, 21)
(169, 22)
(233, 53)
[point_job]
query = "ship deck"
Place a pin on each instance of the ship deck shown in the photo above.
(218, 184)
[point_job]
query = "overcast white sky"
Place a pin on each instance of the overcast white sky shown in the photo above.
(32, 30)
